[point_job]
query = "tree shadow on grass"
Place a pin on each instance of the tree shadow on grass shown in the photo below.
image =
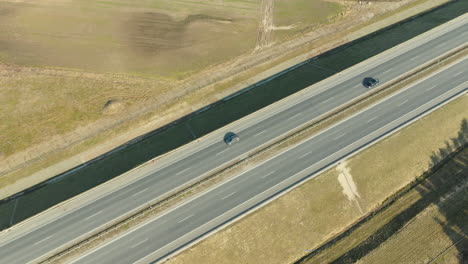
(455, 227)
(450, 146)
(433, 187)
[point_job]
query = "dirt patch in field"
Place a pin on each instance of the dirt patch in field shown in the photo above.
(264, 35)
(152, 33)
(347, 183)
(155, 33)
(112, 107)
(300, 221)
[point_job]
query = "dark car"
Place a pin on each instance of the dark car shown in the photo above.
(231, 138)
(370, 82)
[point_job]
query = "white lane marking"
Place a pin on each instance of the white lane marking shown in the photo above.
(441, 44)
(294, 116)
(260, 133)
(229, 195)
(93, 215)
(402, 103)
(414, 58)
(305, 154)
(139, 243)
(432, 87)
(340, 136)
(458, 74)
(372, 119)
(387, 70)
(266, 175)
(329, 99)
(42, 240)
(185, 218)
(182, 171)
(144, 190)
(221, 152)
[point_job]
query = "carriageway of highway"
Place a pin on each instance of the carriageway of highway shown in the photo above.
(192, 219)
(73, 225)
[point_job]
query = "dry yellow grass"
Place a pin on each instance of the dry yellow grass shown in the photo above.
(316, 211)
(37, 104)
(439, 231)
(426, 224)
(399, 160)
(158, 38)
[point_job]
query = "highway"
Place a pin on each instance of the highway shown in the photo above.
(71, 226)
(211, 209)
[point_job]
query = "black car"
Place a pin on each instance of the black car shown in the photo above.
(370, 82)
(231, 138)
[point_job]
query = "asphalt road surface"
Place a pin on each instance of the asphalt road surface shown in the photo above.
(194, 218)
(69, 227)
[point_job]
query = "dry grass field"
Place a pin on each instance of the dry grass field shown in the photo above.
(302, 220)
(438, 233)
(158, 38)
(427, 224)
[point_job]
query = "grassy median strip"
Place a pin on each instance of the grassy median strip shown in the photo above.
(293, 139)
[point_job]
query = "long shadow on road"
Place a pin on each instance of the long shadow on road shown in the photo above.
(40, 197)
